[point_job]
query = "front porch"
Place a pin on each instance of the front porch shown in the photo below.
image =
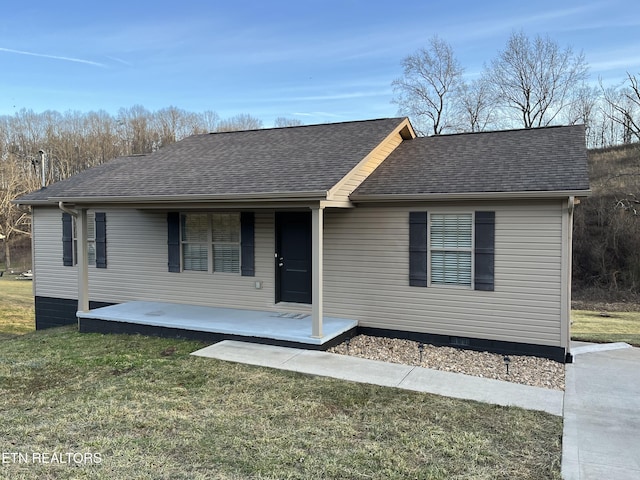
(215, 324)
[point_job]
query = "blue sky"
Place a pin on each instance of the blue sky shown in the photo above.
(317, 61)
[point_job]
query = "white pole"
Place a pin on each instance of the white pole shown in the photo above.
(83, 262)
(317, 229)
(43, 168)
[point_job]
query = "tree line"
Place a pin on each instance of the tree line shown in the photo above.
(606, 246)
(74, 141)
(532, 82)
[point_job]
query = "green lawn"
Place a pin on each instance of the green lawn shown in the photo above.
(16, 306)
(152, 411)
(147, 409)
(589, 326)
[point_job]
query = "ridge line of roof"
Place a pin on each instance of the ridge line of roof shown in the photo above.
(548, 127)
(306, 126)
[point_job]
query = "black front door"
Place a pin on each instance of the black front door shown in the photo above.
(293, 257)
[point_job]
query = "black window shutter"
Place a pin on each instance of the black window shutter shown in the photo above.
(173, 241)
(247, 243)
(418, 249)
(485, 224)
(101, 240)
(67, 240)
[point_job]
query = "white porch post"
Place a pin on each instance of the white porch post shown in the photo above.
(566, 254)
(317, 230)
(83, 260)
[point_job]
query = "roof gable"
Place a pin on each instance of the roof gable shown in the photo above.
(306, 160)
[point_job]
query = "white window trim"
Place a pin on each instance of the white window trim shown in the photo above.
(210, 244)
(436, 249)
(91, 217)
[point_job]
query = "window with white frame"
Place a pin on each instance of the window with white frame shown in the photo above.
(210, 242)
(451, 248)
(91, 239)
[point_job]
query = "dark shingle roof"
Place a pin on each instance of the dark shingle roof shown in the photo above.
(288, 160)
(541, 159)
(298, 160)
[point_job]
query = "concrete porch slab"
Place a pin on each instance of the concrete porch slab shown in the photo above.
(280, 326)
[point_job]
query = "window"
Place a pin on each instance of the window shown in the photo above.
(452, 249)
(195, 241)
(210, 242)
(225, 229)
(96, 239)
(91, 239)
(451, 244)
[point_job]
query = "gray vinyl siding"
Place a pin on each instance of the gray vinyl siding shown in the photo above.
(137, 264)
(366, 275)
(51, 278)
(366, 272)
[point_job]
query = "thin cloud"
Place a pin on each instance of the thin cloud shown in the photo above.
(553, 20)
(625, 58)
(316, 114)
(337, 96)
(55, 57)
(628, 63)
(119, 60)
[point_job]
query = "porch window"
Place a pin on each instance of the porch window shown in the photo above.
(451, 248)
(210, 242)
(225, 230)
(195, 240)
(96, 239)
(91, 239)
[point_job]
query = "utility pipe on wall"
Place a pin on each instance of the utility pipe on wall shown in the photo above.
(66, 209)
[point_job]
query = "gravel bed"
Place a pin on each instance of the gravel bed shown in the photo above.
(534, 371)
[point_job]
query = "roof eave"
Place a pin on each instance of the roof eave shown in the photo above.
(363, 198)
(223, 198)
(30, 203)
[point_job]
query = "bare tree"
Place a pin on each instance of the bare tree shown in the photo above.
(74, 141)
(102, 141)
(16, 179)
(477, 109)
(242, 121)
(286, 122)
(623, 104)
(536, 78)
(583, 109)
(136, 130)
(208, 120)
(173, 124)
(424, 92)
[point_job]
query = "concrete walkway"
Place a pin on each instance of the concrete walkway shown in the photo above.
(601, 402)
(396, 375)
(602, 413)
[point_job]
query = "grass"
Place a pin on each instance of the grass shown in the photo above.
(590, 326)
(146, 409)
(17, 314)
(152, 411)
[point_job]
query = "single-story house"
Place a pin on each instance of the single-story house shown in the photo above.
(461, 240)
